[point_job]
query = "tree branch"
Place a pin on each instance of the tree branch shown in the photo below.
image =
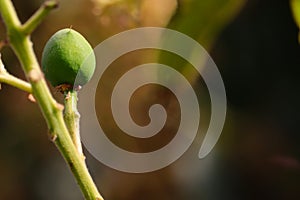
(38, 16)
(52, 111)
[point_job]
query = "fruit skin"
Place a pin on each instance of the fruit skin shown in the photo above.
(67, 57)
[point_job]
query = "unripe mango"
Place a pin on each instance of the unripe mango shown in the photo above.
(67, 57)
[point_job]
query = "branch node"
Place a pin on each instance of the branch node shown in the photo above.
(53, 137)
(35, 75)
(51, 4)
(31, 98)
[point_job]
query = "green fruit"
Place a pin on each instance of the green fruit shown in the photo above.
(68, 57)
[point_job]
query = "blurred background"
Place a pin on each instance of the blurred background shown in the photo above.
(255, 46)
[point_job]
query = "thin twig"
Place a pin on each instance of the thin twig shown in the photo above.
(38, 16)
(16, 82)
(9, 79)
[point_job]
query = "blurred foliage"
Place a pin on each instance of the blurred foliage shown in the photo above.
(256, 49)
(295, 5)
(203, 21)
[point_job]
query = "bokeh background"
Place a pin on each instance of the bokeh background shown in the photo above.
(255, 46)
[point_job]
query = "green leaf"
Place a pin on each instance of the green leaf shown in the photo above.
(295, 4)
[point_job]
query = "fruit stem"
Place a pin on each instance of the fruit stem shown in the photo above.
(72, 117)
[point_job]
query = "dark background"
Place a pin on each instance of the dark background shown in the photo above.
(258, 154)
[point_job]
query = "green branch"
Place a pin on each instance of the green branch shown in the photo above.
(16, 82)
(38, 16)
(9, 79)
(52, 111)
(72, 116)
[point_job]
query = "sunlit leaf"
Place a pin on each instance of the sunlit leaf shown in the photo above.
(295, 5)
